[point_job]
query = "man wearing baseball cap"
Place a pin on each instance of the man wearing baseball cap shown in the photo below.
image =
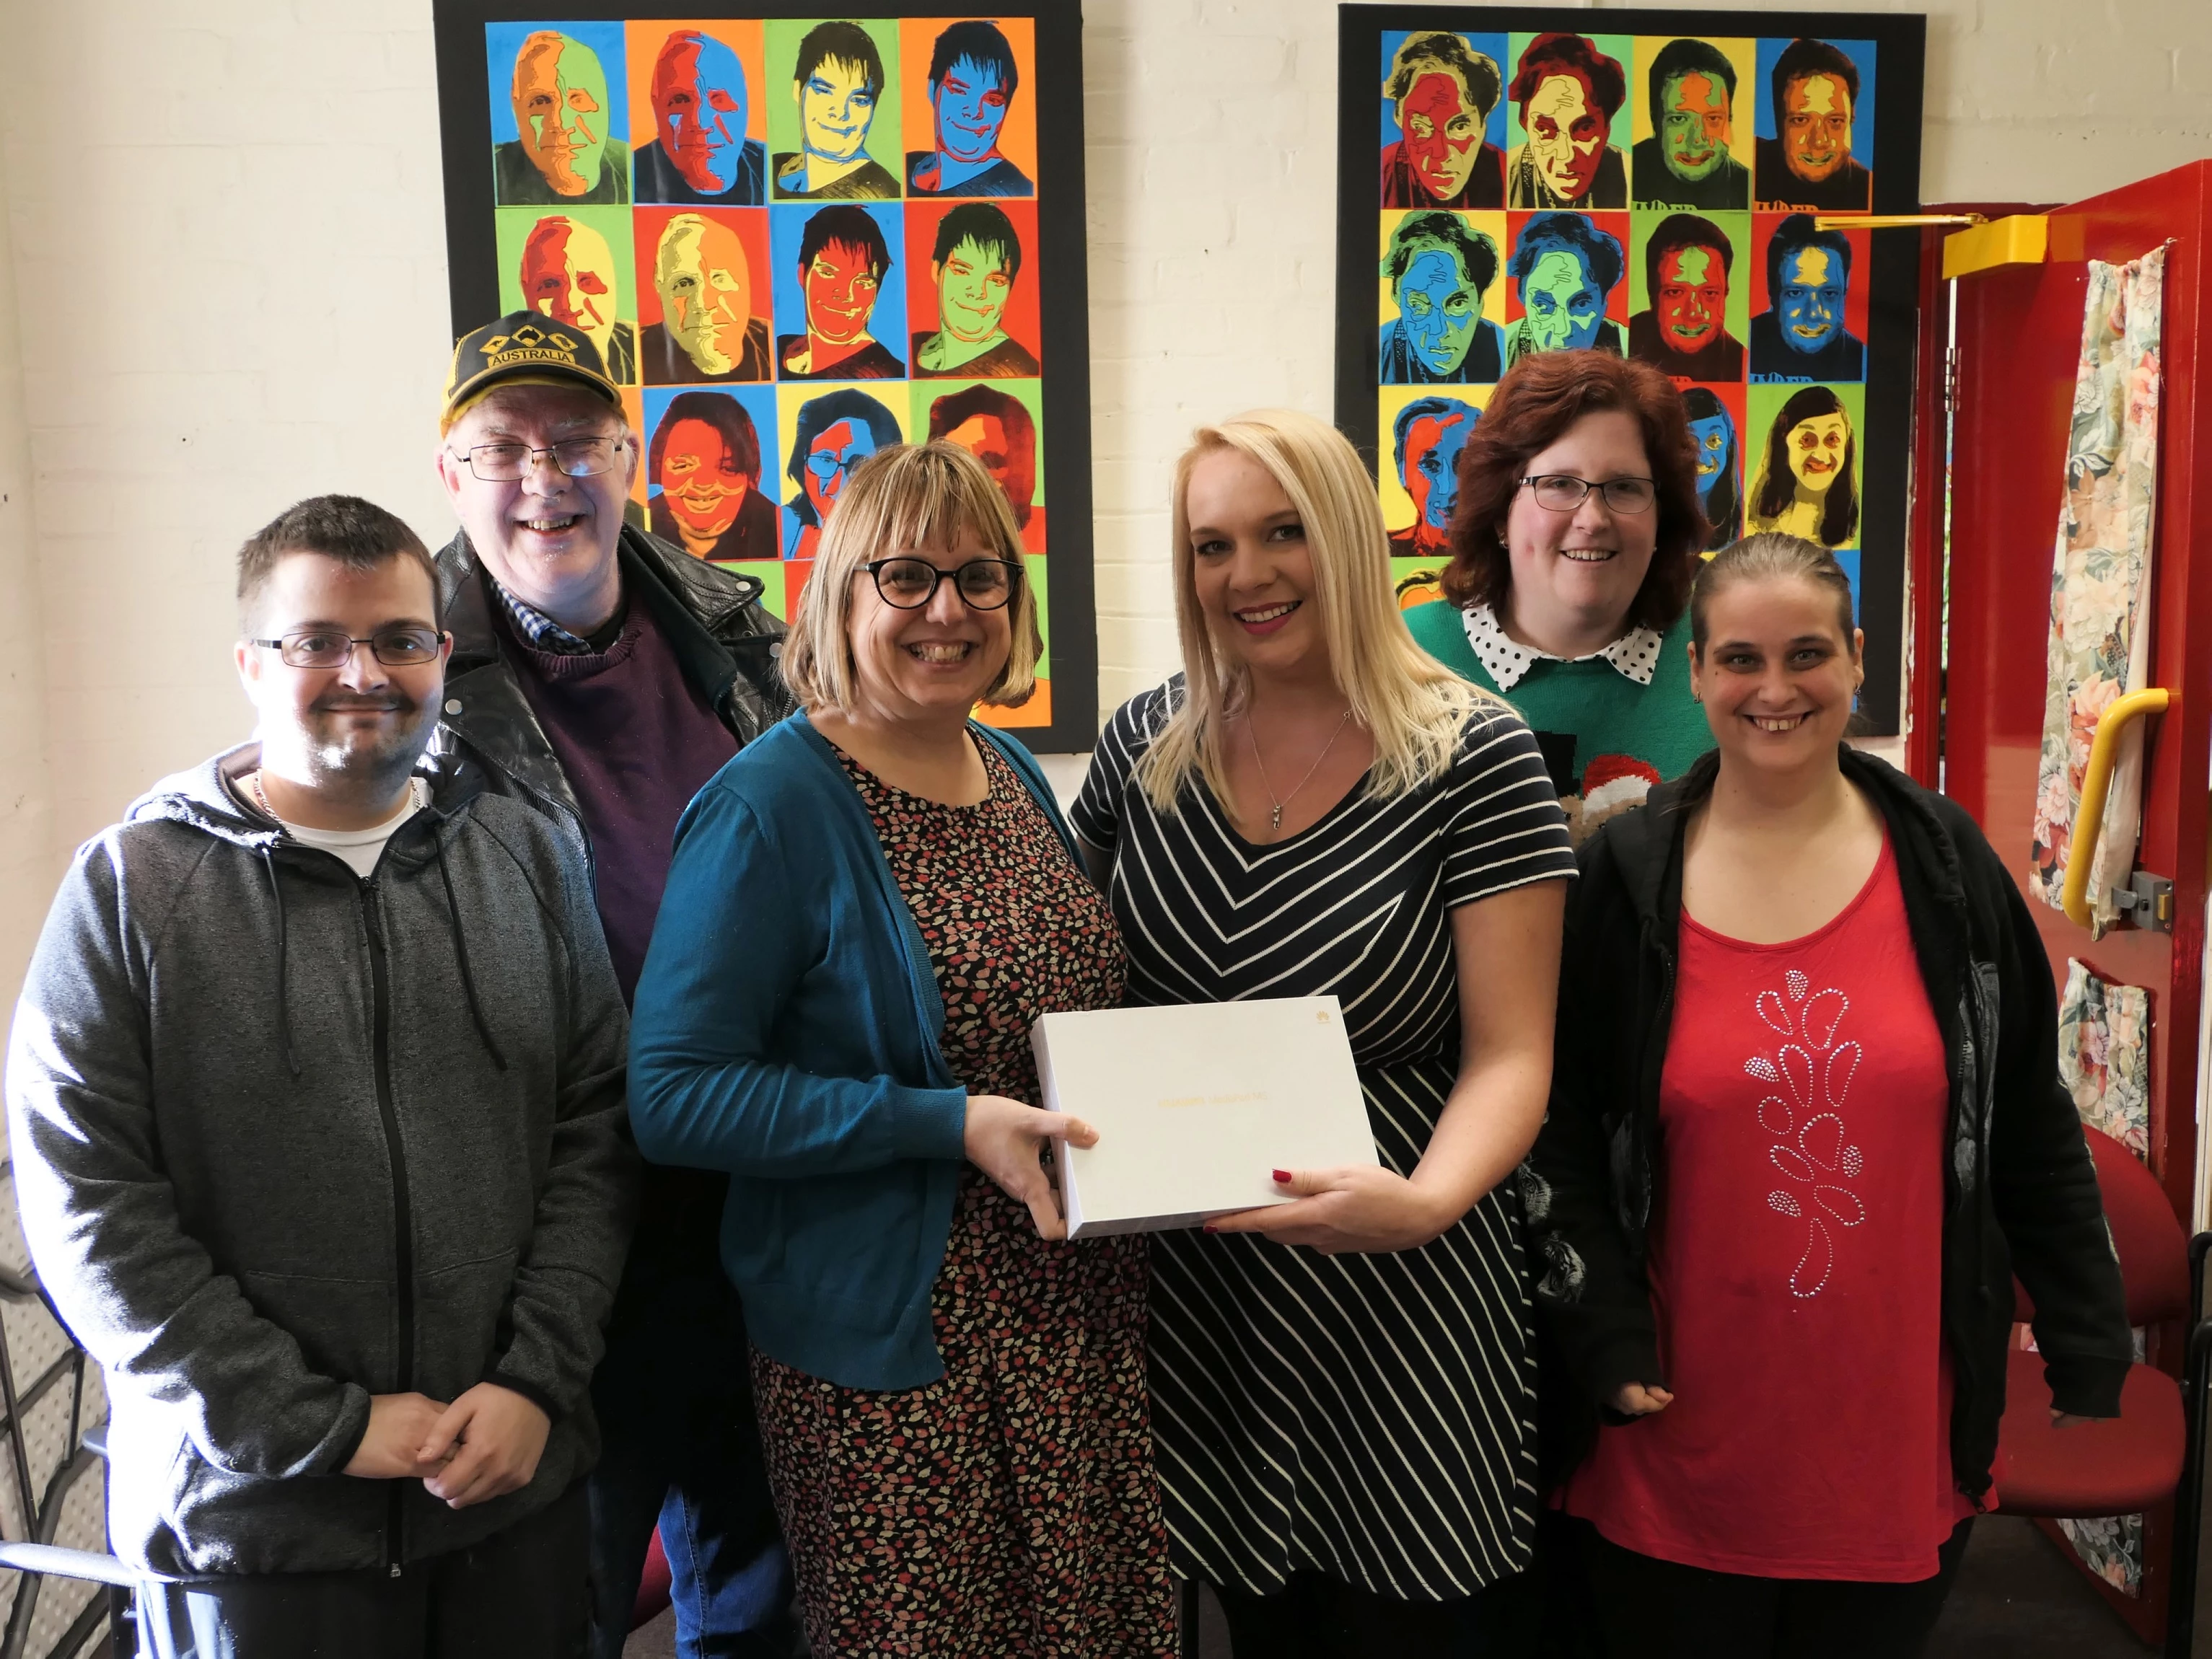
(605, 676)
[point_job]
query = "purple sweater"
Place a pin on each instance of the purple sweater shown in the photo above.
(636, 742)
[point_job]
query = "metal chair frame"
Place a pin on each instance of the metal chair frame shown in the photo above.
(39, 1557)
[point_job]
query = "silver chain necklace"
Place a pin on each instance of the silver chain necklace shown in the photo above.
(418, 794)
(1275, 807)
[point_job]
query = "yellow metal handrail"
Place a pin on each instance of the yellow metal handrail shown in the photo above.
(2096, 779)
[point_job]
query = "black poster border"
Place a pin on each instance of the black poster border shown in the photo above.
(1892, 311)
(1063, 296)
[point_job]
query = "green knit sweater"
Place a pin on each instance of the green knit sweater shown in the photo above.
(1606, 739)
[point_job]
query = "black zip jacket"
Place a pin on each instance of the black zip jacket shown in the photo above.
(2021, 1191)
(726, 643)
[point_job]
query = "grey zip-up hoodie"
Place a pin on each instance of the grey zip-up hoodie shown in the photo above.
(285, 1138)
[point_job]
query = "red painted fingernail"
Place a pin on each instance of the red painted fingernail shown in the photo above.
(1282, 1176)
(1211, 1228)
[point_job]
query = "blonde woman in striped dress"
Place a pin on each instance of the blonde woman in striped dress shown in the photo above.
(1342, 1385)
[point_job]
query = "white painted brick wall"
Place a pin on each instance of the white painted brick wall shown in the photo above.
(229, 287)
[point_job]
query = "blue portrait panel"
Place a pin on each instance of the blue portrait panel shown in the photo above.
(1442, 133)
(713, 471)
(826, 432)
(559, 109)
(1813, 118)
(839, 291)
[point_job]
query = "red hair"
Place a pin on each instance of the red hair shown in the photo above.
(1540, 396)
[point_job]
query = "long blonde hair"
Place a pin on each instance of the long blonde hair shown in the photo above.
(1413, 705)
(901, 499)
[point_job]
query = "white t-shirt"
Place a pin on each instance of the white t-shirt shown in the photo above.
(360, 848)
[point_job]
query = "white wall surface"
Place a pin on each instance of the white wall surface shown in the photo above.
(228, 287)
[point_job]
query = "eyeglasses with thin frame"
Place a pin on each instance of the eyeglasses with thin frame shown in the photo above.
(910, 584)
(577, 458)
(325, 648)
(1561, 492)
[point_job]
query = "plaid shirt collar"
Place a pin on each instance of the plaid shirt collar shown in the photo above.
(540, 630)
(1635, 654)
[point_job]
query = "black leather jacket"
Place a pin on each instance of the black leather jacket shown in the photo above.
(727, 646)
(725, 642)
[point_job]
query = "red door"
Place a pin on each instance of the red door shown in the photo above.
(2018, 334)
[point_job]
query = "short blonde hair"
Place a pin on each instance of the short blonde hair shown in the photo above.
(1412, 703)
(903, 499)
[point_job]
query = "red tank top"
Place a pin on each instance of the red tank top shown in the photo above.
(1796, 1263)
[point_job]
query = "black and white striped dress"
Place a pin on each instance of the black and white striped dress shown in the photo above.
(1368, 1417)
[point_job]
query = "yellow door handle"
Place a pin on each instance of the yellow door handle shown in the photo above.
(2089, 817)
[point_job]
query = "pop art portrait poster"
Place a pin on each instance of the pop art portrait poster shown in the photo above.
(796, 237)
(1518, 179)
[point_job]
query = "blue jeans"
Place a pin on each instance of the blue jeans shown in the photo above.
(681, 1450)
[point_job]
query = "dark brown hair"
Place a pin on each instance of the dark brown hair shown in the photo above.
(360, 535)
(1570, 54)
(730, 422)
(1540, 398)
(1771, 556)
(1778, 483)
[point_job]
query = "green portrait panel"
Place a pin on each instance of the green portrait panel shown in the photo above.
(1690, 282)
(573, 266)
(1001, 423)
(1804, 462)
(833, 110)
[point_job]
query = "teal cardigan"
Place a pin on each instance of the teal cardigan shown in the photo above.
(785, 1031)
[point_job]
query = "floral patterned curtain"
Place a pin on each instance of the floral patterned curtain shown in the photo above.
(2101, 575)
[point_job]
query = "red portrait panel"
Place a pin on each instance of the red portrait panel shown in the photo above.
(1587, 246)
(700, 250)
(978, 289)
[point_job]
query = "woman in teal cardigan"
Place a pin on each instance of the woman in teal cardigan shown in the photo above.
(867, 910)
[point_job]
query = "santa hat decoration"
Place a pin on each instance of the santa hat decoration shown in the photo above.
(1613, 783)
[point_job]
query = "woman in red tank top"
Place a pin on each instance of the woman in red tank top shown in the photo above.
(1767, 1211)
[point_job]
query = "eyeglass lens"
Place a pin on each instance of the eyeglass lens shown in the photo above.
(398, 647)
(579, 457)
(1563, 492)
(910, 584)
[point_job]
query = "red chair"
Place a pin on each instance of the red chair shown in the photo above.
(652, 1587)
(2154, 1451)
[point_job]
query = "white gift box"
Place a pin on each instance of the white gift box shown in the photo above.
(1195, 1105)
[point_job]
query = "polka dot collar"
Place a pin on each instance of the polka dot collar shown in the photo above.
(1635, 654)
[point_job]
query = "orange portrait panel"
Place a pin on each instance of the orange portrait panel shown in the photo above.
(1017, 132)
(645, 40)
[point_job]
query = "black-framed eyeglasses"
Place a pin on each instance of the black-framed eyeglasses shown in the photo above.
(578, 458)
(1561, 492)
(910, 583)
(325, 648)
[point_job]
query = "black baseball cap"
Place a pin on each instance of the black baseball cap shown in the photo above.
(522, 345)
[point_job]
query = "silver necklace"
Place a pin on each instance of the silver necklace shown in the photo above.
(418, 794)
(1275, 807)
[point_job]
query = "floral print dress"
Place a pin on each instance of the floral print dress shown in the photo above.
(1009, 1508)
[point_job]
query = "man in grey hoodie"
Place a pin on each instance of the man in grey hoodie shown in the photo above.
(315, 1093)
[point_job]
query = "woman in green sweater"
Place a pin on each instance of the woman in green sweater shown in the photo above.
(1573, 548)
